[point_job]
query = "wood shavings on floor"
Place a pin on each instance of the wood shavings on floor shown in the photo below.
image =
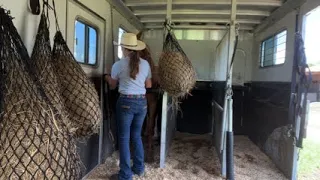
(193, 157)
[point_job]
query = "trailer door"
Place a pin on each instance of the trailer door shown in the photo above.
(168, 127)
(299, 105)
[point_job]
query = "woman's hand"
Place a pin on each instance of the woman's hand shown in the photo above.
(112, 83)
(107, 78)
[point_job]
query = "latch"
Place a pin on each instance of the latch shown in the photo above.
(292, 134)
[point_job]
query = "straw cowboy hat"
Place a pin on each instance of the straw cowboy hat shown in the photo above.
(130, 41)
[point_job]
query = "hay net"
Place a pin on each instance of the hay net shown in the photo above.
(176, 73)
(41, 61)
(33, 144)
(78, 92)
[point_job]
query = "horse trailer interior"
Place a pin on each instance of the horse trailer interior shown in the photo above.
(252, 83)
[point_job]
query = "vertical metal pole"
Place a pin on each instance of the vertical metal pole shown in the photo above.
(228, 104)
(168, 16)
(164, 120)
(169, 9)
(292, 108)
(164, 117)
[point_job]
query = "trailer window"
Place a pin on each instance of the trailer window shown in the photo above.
(85, 43)
(121, 31)
(273, 50)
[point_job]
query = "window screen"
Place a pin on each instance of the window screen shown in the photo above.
(85, 43)
(273, 50)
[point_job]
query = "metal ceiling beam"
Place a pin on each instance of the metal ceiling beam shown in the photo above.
(126, 12)
(201, 12)
(212, 27)
(281, 12)
(200, 20)
(271, 3)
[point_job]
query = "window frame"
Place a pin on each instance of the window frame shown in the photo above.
(87, 25)
(261, 47)
(126, 31)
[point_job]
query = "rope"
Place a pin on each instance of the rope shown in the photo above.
(55, 15)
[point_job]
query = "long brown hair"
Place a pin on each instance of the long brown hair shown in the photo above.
(146, 55)
(134, 63)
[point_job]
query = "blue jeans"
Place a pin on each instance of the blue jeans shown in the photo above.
(131, 113)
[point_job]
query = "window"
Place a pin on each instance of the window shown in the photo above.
(121, 31)
(273, 50)
(85, 43)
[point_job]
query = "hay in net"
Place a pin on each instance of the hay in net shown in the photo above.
(176, 74)
(41, 60)
(79, 93)
(33, 144)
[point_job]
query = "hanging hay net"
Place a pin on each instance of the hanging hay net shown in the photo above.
(176, 74)
(41, 60)
(33, 144)
(80, 96)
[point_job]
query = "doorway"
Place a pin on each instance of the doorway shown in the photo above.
(309, 164)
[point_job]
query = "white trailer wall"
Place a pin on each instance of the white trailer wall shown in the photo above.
(279, 73)
(27, 24)
(200, 47)
(120, 22)
(114, 20)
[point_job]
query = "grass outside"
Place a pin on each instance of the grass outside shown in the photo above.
(309, 160)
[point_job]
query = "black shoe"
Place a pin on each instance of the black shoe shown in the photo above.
(138, 174)
(114, 177)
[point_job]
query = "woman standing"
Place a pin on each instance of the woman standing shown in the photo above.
(133, 75)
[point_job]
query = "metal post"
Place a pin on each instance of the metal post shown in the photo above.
(168, 18)
(292, 108)
(164, 117)
(164, 120)
(169, 10)
(229, 102)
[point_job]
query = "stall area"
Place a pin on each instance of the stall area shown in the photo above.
(233, 84)
(242, 111)
(193, 157)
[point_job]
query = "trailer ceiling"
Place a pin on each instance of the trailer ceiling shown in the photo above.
(208, 14)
